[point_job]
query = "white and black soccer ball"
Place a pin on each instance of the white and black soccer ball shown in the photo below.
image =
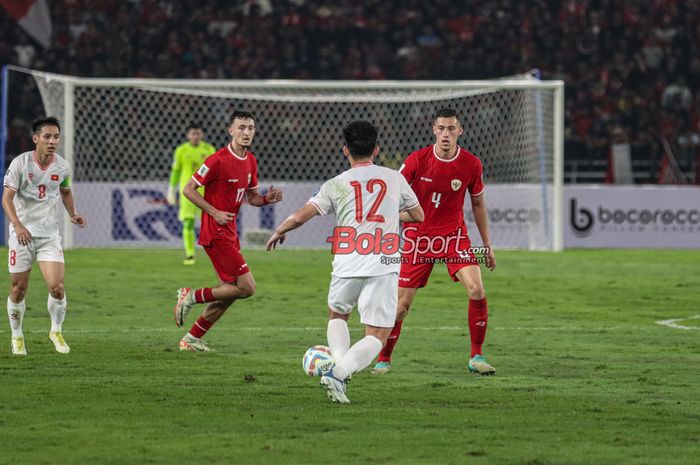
(317, 361)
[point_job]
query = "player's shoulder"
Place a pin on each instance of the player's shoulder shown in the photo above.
(422, 153)
(222, 152)
(252, 156)
(60, 161)
(22, 159)
(182, 147)
(469, 158)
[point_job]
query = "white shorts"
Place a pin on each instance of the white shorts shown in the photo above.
(40, 249)
(376, 298)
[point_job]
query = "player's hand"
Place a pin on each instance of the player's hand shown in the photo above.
(274, 195)
(491, 260)
(79, 220)
(171, 197)
(222, 218)
(275, 239)
(24, 237)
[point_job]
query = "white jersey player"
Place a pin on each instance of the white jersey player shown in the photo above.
(34, 183)
(368, 201)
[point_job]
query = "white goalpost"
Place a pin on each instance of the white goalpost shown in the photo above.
(119, 135)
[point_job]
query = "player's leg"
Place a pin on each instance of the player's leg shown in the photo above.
(470, 278)
(377, 305)
(19, 283)
(187, 214)
(236, 282)
(243, 287)
(53, 273)
(188, 240)
(342, 297)
(20, 261)
(412, 277)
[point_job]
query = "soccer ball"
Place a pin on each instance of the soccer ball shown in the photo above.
(317, 361)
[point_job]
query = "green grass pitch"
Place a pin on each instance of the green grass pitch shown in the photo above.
(585, 374)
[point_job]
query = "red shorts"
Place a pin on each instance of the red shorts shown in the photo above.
(225, 255)
(417, 266)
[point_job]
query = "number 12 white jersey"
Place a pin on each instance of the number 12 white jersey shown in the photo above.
(366, 200)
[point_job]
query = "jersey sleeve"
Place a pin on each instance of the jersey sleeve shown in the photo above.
(408, 169)
(476, 185)
(13, 175)
(408, 198)
(208, 172)
(321, 200)
(253, 184)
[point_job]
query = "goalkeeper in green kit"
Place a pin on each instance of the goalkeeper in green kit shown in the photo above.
(187, 159)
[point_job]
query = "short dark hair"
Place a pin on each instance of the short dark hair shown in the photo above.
(194, 125)
(447, 113)
(360, 138)
(240, 114)
(39, 123)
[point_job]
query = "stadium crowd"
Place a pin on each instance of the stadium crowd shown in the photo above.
(632, 68)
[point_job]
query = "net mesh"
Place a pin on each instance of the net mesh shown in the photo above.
(126, 134)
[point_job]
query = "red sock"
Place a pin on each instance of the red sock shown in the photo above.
(385, 354)
(204, 295)
(478, 317)
(200, 327)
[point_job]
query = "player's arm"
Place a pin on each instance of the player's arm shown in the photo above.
(22, 233)
(69, 204)
(481, 218)
(190, 191)
(412, 215)
(410, 209)
(295, 220)
(175, 171)
(274, 195)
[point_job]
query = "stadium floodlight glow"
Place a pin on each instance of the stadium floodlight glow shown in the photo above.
(124, 131)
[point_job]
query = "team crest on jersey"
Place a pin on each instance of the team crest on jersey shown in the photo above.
(30, 176)
(203, 170)
(456, 184)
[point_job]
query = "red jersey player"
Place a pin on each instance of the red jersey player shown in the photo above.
(228, 175)
(441, 175)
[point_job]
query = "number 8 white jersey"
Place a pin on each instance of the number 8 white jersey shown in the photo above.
(366, 200)
(37, 192)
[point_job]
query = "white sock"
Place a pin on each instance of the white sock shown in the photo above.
(57, 310)
(338, 338)
(358, 357)
(15, 311)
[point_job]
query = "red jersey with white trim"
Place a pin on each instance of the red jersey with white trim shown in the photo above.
(441, 186)
(226, 177)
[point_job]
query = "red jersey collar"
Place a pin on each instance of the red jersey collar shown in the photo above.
(234, 153)
(459, 149)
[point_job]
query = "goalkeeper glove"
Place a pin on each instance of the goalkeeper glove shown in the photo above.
(172, 196)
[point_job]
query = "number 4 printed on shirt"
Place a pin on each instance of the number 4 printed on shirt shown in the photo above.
(436, 198)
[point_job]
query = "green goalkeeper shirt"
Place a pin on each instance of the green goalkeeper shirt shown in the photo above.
(186, 161)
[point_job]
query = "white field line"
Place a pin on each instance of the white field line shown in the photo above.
(673, 323)
(292, 329)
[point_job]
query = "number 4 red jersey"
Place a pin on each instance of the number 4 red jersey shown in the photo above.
(441, 186)
(226, 178)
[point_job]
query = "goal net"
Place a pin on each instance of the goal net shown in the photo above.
(119, 136)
